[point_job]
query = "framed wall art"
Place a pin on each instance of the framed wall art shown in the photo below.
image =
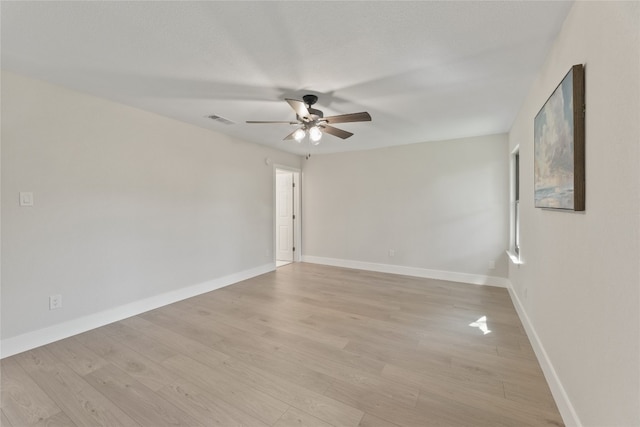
(559, 146)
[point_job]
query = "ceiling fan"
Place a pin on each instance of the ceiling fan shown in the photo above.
(313, 123)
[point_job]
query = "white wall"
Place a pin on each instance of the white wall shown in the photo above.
(579, 284)
(442, 206)
(128, 205)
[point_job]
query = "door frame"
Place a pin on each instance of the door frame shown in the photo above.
(297, 205)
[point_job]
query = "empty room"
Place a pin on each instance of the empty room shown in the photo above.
(339, 213)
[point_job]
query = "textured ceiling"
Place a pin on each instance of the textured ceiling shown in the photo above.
(423, 70)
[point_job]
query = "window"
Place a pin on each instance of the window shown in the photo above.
(516, 203)
(514, 246)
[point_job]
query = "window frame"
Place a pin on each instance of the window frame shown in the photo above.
(515, 222)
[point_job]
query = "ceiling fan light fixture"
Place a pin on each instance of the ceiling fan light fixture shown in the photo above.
(313, 123)
(299, 135)
(315, 134)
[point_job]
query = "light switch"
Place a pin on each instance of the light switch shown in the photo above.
(26, 199)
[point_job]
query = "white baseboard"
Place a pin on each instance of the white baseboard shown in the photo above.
(568, 413)
(29, 340)
(475, 279)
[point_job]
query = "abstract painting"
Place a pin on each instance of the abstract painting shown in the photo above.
(559, 146)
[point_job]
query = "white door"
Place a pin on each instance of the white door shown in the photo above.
(284, 216)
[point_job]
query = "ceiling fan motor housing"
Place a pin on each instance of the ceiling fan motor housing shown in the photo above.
(310, 100)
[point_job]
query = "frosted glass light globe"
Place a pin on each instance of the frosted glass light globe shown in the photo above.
(315, 134)
(299, 135)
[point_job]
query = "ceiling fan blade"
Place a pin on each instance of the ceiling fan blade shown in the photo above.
(259, 121)
(290, 136)
(298, 107)
(335, 131)
(345, 118)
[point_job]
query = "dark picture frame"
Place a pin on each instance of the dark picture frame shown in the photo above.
(559, 146)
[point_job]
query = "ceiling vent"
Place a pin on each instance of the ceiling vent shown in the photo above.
(220, 119)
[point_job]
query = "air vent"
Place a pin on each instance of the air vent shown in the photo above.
(220, 119)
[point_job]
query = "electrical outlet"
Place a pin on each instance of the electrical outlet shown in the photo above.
(26, 198)
(492, 265)
(55, 302)
(392, 252)
(525, 293)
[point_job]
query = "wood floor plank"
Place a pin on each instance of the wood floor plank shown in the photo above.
(4, 421)
(372, 421)
(254, 402)
(481, 402)
(83, 404)
(296, 418)
(138, 366)
(447, 343)
(382, 407)
(206, 407)
(322, 358)
(138, 341)
(140, 403)
(271, 356)
(272, 363)
(229, 304)
(489, 410)
(452, 411)
(303, 345)
(198, 315)
(534, 391)
(316, 404)
(60, 419)
(523, 351)
(76, 356)
(495, 366)
(326, 360)
(175, 341)
(162, 317)
(299, 329)
(23, 402)
(445, 380)
(350, 325)
(404, 356)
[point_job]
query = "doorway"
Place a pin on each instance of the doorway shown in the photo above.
(287, 216)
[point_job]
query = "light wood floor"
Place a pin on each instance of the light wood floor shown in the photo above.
(307, 345)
